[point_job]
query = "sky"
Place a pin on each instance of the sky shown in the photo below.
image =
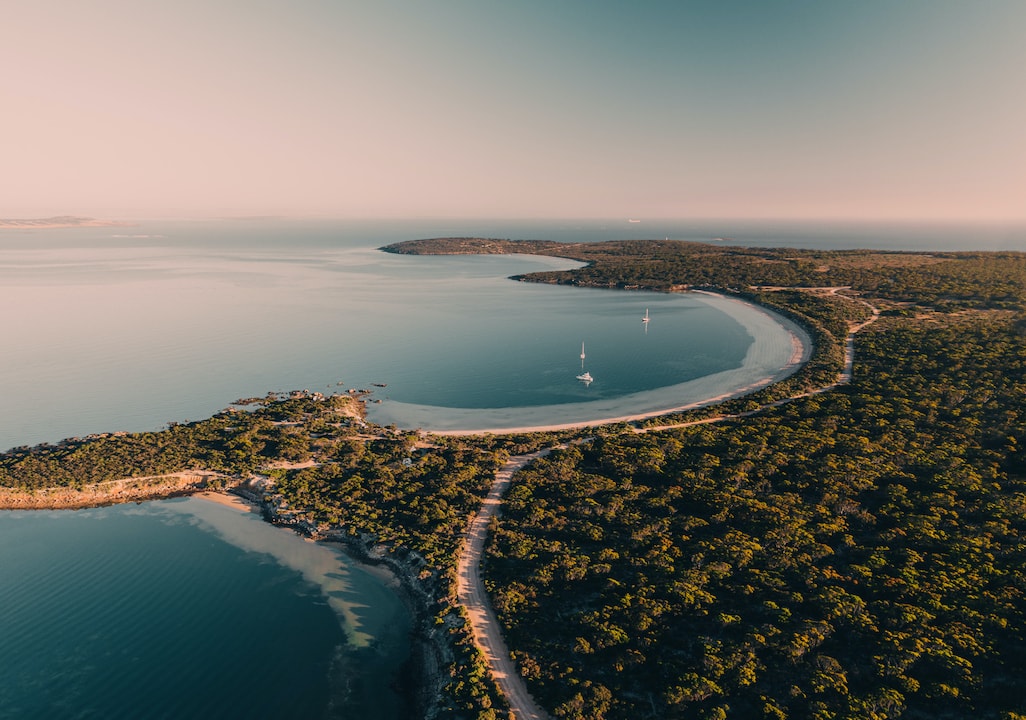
(848, 109)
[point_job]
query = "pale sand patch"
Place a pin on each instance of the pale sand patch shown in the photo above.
(228, 500)
(779, 347)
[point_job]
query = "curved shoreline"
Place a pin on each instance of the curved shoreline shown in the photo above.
(771, 358)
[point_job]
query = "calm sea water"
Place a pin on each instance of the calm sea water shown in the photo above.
(188, 609)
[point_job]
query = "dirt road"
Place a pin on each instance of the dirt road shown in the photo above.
(472, 596)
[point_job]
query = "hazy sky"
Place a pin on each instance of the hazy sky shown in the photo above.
(875, 109)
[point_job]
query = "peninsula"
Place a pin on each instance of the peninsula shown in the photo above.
(847, 542)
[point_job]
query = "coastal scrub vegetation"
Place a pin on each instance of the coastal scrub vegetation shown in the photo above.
(858, 553)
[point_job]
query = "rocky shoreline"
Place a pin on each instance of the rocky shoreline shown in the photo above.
(157, 487)
(421, 678)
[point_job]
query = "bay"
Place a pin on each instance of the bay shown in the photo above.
(116, 329)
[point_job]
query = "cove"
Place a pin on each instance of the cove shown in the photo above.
(774, 347)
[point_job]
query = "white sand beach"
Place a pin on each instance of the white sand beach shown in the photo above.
(779, 347)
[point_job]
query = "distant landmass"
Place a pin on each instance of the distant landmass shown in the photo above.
(60, 221)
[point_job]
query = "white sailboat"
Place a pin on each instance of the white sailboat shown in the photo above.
(645, 319)
(585, 376)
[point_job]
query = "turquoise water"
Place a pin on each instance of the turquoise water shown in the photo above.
(188, 609)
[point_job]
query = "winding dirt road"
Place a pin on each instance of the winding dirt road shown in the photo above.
(472, 596)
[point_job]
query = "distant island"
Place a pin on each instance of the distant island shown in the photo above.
(58, 221)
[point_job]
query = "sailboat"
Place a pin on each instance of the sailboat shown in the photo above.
(645, 319)
(585, 376)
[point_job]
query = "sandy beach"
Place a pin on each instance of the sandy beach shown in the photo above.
(779, 347)
(228, 500)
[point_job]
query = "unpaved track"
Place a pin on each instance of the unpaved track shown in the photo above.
(472, 596)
